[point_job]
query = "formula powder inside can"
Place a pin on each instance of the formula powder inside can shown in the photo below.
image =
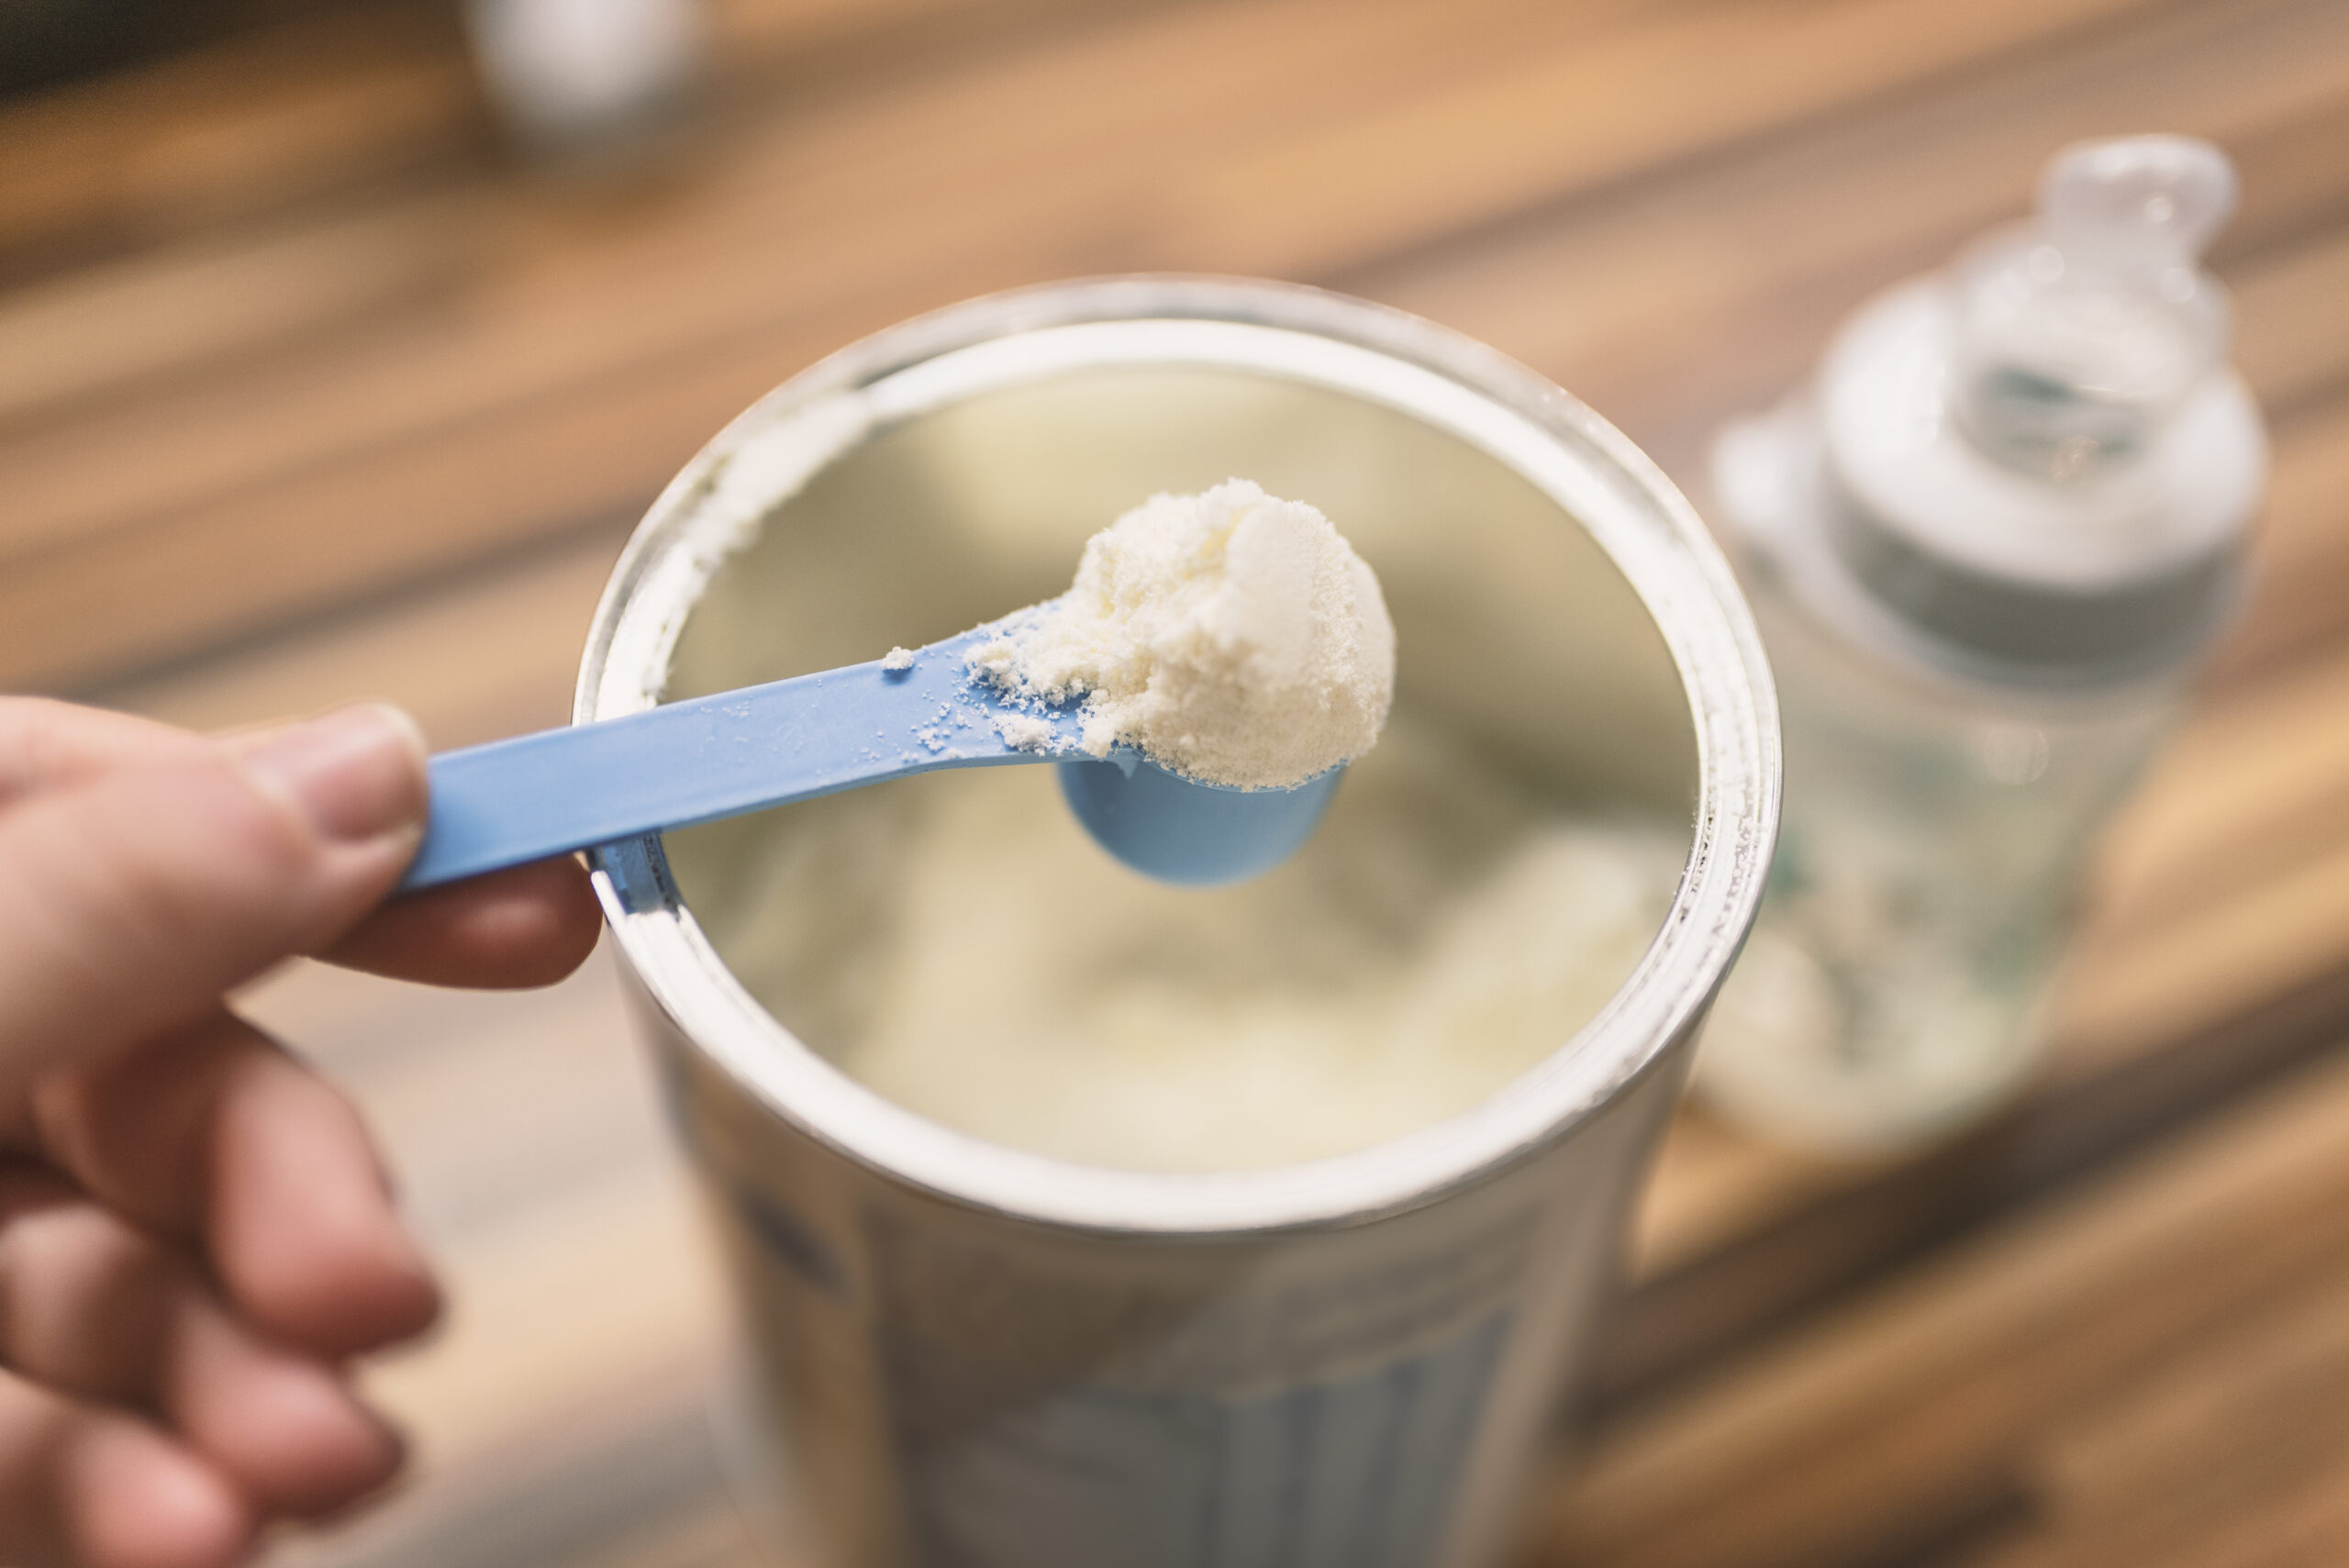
(958, 944)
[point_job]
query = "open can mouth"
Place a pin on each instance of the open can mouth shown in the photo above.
(1642, 664)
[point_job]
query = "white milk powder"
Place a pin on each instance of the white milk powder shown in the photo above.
(1233, 636)
(960, 945)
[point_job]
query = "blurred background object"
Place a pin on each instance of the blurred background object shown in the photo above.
(308, 389)
(586, 75)
(1987, 546)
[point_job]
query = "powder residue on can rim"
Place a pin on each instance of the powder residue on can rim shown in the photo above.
(1232, 637)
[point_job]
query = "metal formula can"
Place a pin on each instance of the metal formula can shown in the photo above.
(969, 1356)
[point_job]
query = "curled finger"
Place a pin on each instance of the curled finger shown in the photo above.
(91, 1306)
(95, 1487)
(216, 1136)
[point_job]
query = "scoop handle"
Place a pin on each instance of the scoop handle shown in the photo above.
(535, 795)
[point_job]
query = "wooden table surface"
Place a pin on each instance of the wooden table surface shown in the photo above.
(308, 392)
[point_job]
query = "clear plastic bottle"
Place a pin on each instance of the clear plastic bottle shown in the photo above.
(1985, 549)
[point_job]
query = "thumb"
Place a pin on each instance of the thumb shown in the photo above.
(133, 899)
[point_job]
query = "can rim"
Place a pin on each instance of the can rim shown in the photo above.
(1520, 418)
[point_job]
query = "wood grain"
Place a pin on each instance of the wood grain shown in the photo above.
(309, 391)
(1854, 1425)
(1019, 167)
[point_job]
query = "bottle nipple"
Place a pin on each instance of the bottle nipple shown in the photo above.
(2082, 332)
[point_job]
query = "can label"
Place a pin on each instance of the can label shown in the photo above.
(1044, 1418)
(1354, 1474)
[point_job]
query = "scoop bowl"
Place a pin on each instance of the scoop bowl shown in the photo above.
(1182, 830)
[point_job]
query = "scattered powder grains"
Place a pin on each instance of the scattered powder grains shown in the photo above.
(1023, 730)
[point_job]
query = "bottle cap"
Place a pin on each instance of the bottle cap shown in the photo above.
(2038, 460)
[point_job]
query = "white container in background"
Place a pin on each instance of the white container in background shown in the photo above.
(588, 76)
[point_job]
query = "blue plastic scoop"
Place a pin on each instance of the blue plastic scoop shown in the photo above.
(535, 795)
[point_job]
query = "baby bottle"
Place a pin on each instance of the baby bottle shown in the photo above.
(1985, 550)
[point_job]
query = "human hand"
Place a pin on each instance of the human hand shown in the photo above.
(195, 1229)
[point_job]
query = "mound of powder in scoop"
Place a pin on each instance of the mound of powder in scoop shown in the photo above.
(1232, 637)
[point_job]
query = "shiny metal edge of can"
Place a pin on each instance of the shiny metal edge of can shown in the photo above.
(1636, 515)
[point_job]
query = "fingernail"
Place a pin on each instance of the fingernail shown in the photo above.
(357, 773)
